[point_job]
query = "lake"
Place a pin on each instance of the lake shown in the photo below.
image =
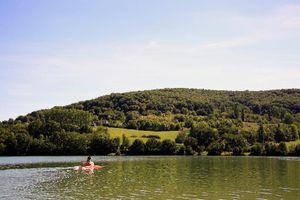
(146, 177)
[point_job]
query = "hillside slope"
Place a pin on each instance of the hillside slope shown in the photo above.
(215, 121)
(170, 106)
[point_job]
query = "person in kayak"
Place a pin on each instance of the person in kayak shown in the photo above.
(88, 162)
(88, 166)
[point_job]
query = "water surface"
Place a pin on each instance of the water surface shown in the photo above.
(160, 177)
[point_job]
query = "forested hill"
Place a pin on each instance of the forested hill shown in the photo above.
(210, 120)
(167, 107)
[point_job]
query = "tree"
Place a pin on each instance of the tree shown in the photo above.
(153, 146)
(256, 150)
(188, 150)
(23, 143)
(234, 141)
(237, 151)
(115, 145)
(2, 148)
(261, 134)
(137, 147)
(236, 111)
(288, 118)
(4, 134)
(204, 133)
(282, 149)
(180, 137)
(297, 150)
(279, 134)
(191, 142)
(74, 143)
(39, 146)
(243, 115)
(23, 139)
(35, 128)
(51, 127)
(100, 144)
(125, 144)
(249, 136)
(132, 115)
(294, 132)
(168, 147)
(181, 150)
(271, 149)
(216, 148)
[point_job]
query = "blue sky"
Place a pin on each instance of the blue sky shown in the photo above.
(59, 52)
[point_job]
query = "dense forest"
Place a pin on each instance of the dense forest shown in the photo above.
(257, 122)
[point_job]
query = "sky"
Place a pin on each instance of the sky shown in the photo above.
(55, 52)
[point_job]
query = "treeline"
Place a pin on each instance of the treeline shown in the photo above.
(19, 142)
(212, 121)
(62, 131)
(174, 109)
(53, 133)
(225, 137)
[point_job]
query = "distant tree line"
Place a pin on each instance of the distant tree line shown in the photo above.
(62, 131)
(268, 140)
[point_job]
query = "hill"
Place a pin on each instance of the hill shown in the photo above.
(171, 106)
(211, 120)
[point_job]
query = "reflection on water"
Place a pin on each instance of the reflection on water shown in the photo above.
(157, 178)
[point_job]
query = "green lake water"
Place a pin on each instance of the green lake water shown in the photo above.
(160, 177)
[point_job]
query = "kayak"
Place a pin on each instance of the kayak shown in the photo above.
(88, 168)
(93, 167)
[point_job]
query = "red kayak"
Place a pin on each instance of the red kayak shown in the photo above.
(92, 167)
(88, 166)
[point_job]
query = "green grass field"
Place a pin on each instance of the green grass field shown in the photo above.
(137, 134)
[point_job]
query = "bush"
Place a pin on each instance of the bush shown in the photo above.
(125, 144)
(181, 137)
(237, 151)
(200, 149)
(276, 150)
(215, 148)
(282, 149)
(137, 147)
(115, 144)
(191, 142)
(153, 146)
(168, 147)
(297, 150)
(181, 150)
(256, 149)
(189, 150)
(271, 149)
(232, 141)
(100, 144)
(151, 136)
